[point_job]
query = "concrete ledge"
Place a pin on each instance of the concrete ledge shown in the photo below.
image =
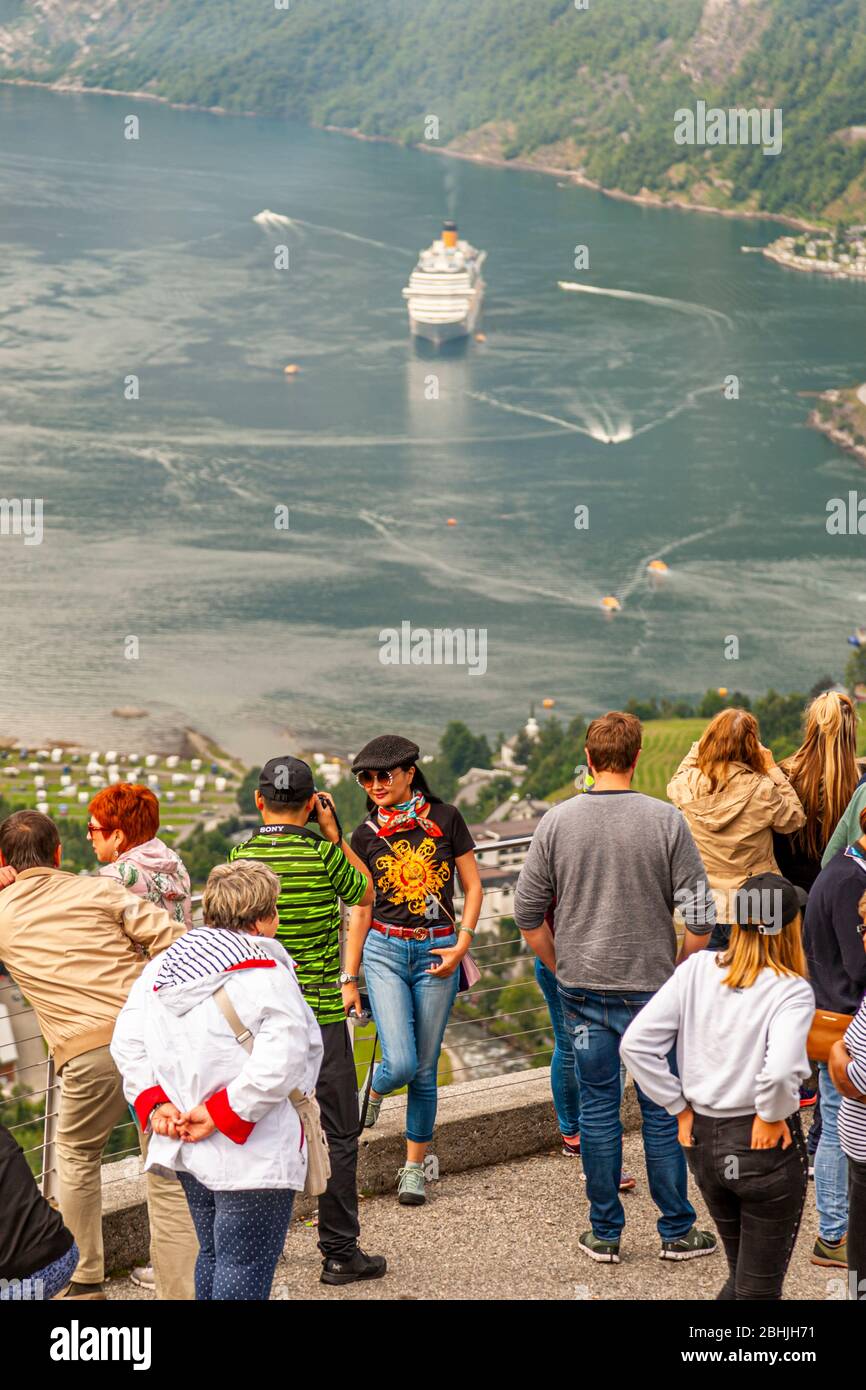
(479, 1124)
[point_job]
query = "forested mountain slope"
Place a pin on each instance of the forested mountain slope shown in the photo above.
(591, 90)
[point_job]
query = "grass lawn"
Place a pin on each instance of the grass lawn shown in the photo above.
(665, 744)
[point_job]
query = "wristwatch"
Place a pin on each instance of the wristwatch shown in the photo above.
(348, 979)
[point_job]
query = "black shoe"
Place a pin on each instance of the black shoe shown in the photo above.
(360, 1266)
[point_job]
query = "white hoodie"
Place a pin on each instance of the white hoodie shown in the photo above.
(739, 1051)
(171, 1042)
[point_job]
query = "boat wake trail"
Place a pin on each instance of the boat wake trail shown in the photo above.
(690, 399)
(595, 432)
(269, 219)
(639, 576)
(599, 422)
(683, 306)
(492, 585)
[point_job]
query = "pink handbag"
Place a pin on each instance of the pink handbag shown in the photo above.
(468, 974)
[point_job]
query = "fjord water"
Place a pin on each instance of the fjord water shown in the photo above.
(142, 257)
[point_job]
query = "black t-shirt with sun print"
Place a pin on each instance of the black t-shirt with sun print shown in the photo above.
(409, 866)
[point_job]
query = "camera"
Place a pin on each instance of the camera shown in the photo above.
(327, 802)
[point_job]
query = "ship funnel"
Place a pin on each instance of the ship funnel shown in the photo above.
(449, 234)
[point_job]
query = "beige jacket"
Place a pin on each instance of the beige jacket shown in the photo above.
(70, 942)
(733, 826)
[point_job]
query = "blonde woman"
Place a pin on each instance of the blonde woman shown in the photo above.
(734, 797)
(739, 1020)
(824, 773)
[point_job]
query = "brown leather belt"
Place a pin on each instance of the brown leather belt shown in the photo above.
(410, 933)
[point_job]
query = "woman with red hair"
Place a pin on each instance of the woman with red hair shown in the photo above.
(124, 819)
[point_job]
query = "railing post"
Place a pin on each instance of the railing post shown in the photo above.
(50, 1180)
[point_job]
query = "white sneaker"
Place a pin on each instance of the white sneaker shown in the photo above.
(143, 1276)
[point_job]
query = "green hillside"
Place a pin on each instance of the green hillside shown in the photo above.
(593, 90)
(665, 744)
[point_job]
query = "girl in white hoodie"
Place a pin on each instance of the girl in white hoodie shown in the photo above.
(736, 1023)
(220, 1117)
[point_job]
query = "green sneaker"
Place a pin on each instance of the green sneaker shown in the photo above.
(605, 1251)
(411, 1187)
(693, 1245)
(833, 1255)
(372, 1115)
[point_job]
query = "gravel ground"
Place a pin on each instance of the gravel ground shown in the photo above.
(510, 1232)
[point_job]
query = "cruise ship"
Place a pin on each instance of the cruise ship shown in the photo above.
(445, 290)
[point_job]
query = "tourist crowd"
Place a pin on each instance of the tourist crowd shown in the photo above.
(712, 946)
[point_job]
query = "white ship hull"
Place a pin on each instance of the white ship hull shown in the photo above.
(445, 291)
(441, 330)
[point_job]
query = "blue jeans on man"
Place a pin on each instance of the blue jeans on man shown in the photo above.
(596, 1022)
(831, 1165)
(563, 1069)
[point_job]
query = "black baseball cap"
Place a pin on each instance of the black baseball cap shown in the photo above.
(286, 779)
(766, 903)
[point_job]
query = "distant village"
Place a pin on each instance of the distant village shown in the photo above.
(841, 253)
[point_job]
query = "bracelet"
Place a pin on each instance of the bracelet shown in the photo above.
(470, 930)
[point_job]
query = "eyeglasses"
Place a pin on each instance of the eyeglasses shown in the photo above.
(96, 829)
(366, 778)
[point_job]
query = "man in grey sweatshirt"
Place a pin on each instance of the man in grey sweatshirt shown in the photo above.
(617, 863)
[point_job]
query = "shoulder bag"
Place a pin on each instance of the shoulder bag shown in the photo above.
(318, 1157)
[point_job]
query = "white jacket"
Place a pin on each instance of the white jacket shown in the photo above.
(171, 1042)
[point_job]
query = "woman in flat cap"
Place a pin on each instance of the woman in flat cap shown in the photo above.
(416, 848)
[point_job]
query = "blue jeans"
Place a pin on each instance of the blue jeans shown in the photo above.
(596, 1023)
(411, 1009)
(831, 1165)
(563, 1070)
(241, 1235)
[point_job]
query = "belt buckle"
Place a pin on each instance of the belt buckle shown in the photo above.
(421, 933)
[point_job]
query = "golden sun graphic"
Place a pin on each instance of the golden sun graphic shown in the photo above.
(408, 875)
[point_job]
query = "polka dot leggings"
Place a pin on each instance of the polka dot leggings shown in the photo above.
(241, 1236)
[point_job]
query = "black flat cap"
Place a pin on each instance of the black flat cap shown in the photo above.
(386, 752)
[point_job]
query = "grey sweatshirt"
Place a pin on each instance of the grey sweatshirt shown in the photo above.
(739, 1051)
(617, 863)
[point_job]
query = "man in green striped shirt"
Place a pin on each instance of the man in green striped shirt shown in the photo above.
(317, 871)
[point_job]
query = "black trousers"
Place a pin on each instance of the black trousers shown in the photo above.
(337, 1094)
(856, 1229)
(755, 1197)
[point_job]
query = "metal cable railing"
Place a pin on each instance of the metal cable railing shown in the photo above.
(468, 1039)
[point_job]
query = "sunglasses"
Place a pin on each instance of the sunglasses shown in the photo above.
(97, 829)
(366, 778)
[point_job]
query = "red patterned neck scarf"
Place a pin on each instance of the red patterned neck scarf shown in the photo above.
(407, 816)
